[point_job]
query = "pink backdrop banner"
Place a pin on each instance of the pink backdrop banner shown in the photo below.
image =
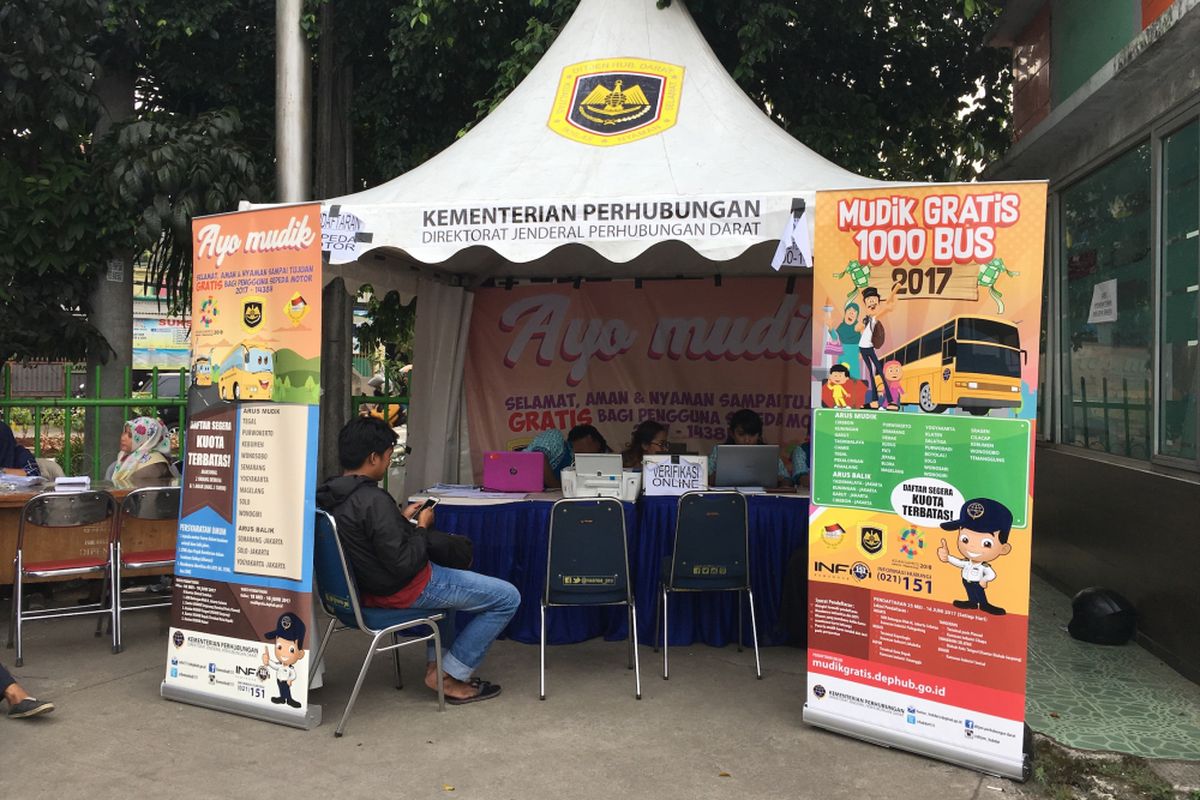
(686, 353)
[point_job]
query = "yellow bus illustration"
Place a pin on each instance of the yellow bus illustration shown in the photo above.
(973, 363)
(202, 371)
(247, 373)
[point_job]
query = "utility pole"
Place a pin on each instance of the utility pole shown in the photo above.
(293, 105)
(293, 151)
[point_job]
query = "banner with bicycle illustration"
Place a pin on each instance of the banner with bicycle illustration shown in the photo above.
(241, 621)
(927, 319)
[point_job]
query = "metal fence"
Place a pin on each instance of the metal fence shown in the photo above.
(56, 426)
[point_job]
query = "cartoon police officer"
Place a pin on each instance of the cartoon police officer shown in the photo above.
(983, 526)
(289, 649)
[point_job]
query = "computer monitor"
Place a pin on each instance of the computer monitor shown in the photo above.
(747, 465)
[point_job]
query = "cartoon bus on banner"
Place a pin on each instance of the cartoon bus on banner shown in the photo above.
(969, 362)
(202, 371)
(247, 373)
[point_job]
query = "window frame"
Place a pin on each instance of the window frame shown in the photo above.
(1165, 127)
(1052, 432)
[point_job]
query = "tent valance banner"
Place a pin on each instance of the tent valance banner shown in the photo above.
(715, 225)
(613, 354)
(925, 404)
(241, 618)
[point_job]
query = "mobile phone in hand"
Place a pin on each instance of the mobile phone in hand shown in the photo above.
(430, 502)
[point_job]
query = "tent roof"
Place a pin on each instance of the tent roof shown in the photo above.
(722, 148)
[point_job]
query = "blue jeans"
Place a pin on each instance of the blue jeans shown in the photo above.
(6, 679)
(493, 602)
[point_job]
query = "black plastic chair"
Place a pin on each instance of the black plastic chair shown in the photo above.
(711, 554)
(587, 564)
(339, 597)
(60, 515)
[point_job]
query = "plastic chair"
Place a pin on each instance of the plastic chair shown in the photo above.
(149, 504)
(339, 598)
(61, 513)
(587, 564)
(711, 554)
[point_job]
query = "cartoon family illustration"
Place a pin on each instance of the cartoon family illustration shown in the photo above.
(854, 343)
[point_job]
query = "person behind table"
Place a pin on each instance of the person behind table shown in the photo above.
(392, 567)
(745, 427)
(648, 439)
(145, 453)
(560, 452)
(15, 459)
(20, 704)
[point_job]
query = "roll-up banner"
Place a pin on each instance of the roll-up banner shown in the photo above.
(927, 317)
(241, 621)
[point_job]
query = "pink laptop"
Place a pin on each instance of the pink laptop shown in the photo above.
(513, 472)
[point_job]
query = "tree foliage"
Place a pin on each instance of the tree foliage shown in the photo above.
(51, 221)
(892, 89)
(74, 199)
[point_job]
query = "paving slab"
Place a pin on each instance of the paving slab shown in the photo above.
(712, 731)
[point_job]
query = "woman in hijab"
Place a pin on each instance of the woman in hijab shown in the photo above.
(145, 448)
(14, 459)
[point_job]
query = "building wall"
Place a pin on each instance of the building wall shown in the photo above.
(1031, 74)
(1117, 484)
(1098, 523)
(1085, 34)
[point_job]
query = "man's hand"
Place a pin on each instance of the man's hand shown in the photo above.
(266, 656)
(425, 518)
(942, 553)
(411, 509)
(983, 584)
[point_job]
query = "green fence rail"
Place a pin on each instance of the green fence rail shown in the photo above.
(44, 413)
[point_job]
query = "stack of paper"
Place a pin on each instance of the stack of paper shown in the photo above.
(78, 483)
(21, 480)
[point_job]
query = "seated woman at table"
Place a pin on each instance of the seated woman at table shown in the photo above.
(14, 459)
(560, 452)
(648, 439)
(745, 427)
(144, 459)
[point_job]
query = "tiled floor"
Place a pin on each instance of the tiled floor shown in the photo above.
(1104, 698)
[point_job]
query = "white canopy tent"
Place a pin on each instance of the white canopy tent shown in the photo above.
(672, 172)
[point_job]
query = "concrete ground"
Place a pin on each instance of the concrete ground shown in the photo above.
(712, 731)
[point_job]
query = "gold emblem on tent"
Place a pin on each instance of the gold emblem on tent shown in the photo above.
(616, 100)
(611, 107)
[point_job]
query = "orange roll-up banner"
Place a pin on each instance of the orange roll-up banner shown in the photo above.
(927, 319)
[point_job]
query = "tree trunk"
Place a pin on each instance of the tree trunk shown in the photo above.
(335, 87)
(112, 294)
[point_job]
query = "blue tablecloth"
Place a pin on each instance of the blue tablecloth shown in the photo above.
(510, 543)
(778, 525)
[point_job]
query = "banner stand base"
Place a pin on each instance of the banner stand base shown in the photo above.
(308, 720)
(981, 762)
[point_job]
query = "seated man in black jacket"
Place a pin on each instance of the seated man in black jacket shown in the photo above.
(399, 564)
